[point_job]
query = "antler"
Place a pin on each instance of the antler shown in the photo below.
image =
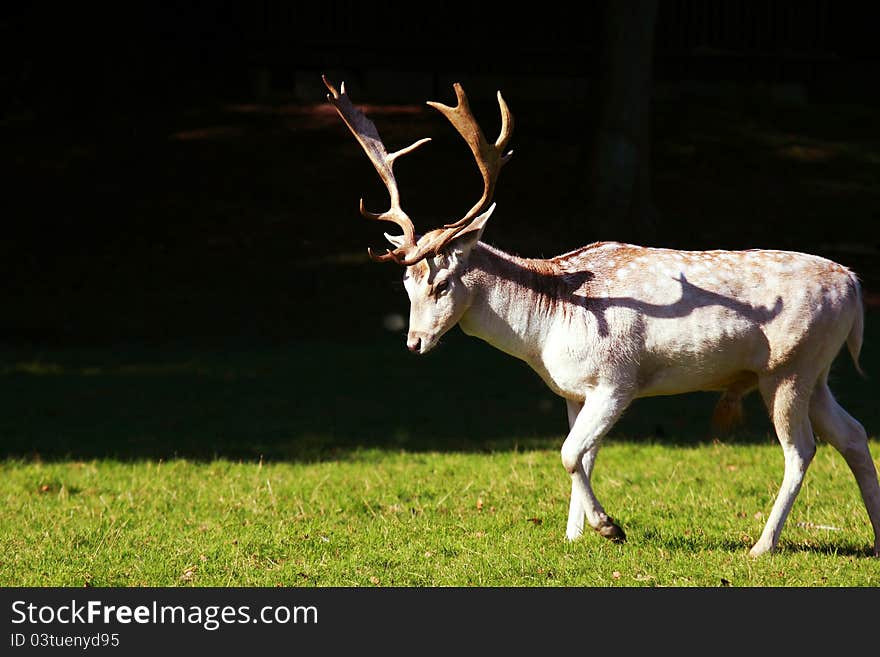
(489, 157)
(365, 132)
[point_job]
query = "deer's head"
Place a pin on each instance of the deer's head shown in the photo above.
(434, 262)
(438, 295)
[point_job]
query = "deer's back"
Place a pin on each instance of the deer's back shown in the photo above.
(697, 320)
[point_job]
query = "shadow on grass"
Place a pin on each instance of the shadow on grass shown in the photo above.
(697, 544)
(315, 400)
(828, 548)
(693, 544)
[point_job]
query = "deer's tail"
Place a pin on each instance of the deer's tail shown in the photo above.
(856, 333)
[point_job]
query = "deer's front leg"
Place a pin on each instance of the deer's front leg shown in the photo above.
(576, 511)
(589, 422)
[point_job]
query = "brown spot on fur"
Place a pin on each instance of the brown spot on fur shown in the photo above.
(622, 254)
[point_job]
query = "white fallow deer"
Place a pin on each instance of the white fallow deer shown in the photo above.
(609, 323)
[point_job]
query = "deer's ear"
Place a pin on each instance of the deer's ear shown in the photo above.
(462, 244)
(396, 240)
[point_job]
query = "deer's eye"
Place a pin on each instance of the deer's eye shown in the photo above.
(441, 288)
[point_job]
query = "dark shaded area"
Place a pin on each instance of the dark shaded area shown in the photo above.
(176, 191)
(321, 399)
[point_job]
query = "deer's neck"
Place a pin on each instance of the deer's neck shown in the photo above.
(513, 301)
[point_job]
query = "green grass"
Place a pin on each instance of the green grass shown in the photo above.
(398, 518)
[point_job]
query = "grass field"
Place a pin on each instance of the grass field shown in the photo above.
(427, 519)
(270, 467)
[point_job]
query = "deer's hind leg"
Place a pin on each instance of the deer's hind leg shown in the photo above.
(837, 427)
(787, 400)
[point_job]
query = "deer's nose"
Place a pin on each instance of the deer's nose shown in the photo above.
(414, 344)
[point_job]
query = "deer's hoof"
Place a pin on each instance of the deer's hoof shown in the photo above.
(612, 532)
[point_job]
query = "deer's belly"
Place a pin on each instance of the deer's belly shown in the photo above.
(687, 355)
(675, 381)
(702, 360)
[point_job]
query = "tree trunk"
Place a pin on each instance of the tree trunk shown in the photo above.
(620, 202)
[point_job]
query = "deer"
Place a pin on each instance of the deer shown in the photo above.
(612, 322)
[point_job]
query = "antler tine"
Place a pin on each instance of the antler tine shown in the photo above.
(490, 157)
(365, 132)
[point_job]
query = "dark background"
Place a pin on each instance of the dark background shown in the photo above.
(174, 184)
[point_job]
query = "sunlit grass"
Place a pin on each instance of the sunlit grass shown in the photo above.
(395, 518)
